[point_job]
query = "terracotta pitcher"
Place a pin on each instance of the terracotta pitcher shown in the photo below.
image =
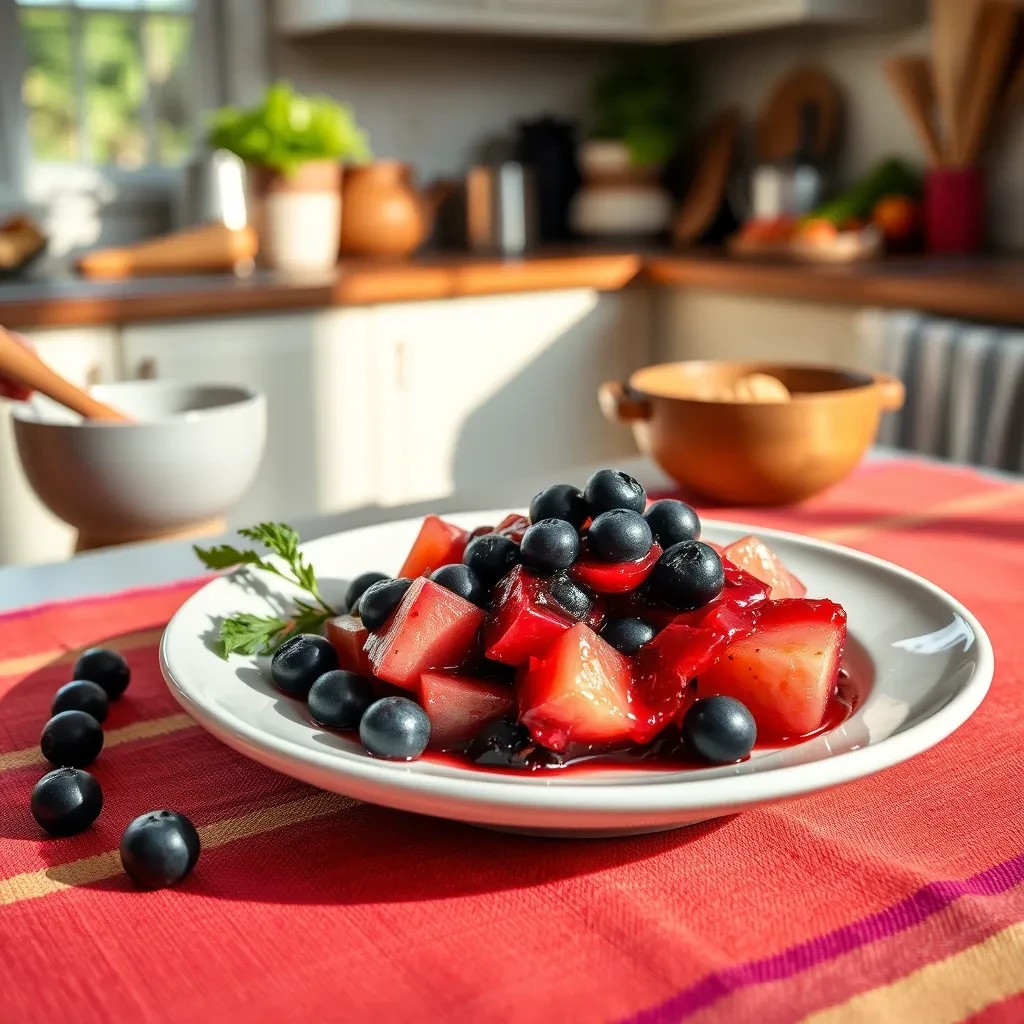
(382, 211)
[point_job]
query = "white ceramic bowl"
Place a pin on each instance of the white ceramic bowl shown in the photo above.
(193, 453)
(930, 660)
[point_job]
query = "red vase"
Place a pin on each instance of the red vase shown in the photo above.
(954, 210)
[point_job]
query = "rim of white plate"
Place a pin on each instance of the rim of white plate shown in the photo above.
(470, 787)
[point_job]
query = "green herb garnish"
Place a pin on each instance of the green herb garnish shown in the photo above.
(258, 634)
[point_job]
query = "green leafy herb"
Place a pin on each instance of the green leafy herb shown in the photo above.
(646, 100)
(255, 634)
(287, 130)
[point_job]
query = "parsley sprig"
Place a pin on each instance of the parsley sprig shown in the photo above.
(259, 634)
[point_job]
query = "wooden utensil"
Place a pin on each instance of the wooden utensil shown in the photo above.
(990, 53)
(779, 124)
(1013, 93)
(953, 24)
(211, 247)
(26, 368)
(707, 189)
(911, 77)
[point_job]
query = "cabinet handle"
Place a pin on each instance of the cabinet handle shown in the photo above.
(146, 369)
(400, 366)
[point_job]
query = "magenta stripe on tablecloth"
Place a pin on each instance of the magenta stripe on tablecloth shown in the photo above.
(911, 911)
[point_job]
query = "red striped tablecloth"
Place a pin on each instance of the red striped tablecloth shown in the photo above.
(898, 898)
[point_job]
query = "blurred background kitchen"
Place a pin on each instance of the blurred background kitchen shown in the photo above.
(427, 230)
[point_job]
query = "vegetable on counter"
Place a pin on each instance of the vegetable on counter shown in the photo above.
(892, 177)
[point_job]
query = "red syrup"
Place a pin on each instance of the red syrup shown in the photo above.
(664, 755)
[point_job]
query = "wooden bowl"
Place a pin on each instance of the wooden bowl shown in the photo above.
(752, 453)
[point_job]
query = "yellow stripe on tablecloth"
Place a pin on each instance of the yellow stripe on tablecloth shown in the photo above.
(944, 992)
(985, 501)
(143, 730)
(25, 663)
(33, 885)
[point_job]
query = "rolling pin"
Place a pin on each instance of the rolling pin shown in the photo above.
(211, 247)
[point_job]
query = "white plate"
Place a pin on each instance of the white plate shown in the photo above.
(930, 659)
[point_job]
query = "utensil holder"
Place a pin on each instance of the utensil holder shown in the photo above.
(954, 210)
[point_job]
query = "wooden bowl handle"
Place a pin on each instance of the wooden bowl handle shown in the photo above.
(891, 391)
(621, 405)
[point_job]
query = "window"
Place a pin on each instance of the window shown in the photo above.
(110, 83)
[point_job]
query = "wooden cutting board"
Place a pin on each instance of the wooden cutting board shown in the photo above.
(778, 126)
(706, 193)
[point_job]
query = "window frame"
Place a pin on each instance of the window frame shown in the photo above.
(38, 180)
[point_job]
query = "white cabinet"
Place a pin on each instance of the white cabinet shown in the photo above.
(472, 391)
(28, 532)
(695, 323)
(651, 20)
(584, 19)
(313, 369)
(381, 405)
(688, 19)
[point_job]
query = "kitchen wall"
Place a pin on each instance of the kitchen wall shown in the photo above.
(432, 99)
(742, 70)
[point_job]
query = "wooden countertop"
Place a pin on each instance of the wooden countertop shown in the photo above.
(989, 289)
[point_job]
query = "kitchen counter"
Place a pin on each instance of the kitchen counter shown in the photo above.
(989, 289)
(79, 302)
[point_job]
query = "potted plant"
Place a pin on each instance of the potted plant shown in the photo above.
(293, 146)
(641, 113)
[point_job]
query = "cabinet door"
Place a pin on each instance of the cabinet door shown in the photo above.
(475, 390)
(28, 532)
(574, 18)
(312, 369)
(582, 17)
(685, 19)
(303, 16)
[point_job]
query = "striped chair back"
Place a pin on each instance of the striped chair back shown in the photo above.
(965, 387)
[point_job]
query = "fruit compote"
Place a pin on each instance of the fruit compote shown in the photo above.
(600, 631)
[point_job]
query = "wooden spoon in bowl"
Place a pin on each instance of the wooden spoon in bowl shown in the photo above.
(24, 367)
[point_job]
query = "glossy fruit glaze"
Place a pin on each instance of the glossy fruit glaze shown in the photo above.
(664, 755)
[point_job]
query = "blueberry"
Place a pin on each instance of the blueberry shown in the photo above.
(395, 728)
(380, 600)
(300, 661)
(501, 744)
(720, 729)
(360, 585)
(688, 575)
(66, 801)
(72, 738)
(610, 488)
(620, 535)
(107, 668)
(491, 557)
(82, 695)
(672, 522)
(550, 545)
(159, 849)
(338, 699)
(628, 635)
(560, 501)
(461, 580)
(570, 596)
